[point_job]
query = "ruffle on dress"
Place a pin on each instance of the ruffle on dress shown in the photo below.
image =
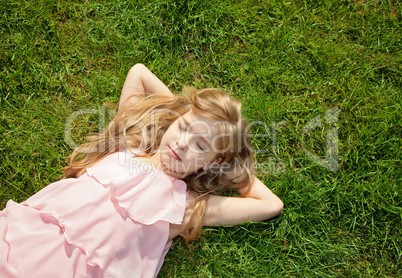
(37, 246)
(170, 192)
(113, 221)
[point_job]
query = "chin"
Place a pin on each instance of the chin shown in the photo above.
(170, 172)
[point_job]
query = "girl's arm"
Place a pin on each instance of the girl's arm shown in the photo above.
(257, 205)
(140, 81)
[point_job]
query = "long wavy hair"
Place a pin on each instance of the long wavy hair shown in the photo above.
(142, 125)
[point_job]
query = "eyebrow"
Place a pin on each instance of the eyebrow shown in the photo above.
(200, 136)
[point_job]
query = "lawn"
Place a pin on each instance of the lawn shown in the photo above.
(320, 83)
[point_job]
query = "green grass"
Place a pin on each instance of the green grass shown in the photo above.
(288, 62)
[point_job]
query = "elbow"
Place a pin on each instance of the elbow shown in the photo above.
(138, 67)
(279, 206)
(274, 208)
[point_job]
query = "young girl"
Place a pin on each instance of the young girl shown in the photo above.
(155, 173)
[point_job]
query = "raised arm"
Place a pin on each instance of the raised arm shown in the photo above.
(140, 81)
(257, 205)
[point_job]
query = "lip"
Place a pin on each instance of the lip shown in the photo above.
(174, 154)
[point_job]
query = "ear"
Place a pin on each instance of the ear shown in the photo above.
(209, 165)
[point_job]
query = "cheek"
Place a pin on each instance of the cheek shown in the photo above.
(169, 134)
(200, 160)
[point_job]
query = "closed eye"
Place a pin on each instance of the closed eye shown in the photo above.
(185, 128)
(182, 127)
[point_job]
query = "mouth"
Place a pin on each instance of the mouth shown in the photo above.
(174, 154)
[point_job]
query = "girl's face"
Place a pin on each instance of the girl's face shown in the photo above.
(188, 145)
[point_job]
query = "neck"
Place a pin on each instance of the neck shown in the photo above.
(153, 161)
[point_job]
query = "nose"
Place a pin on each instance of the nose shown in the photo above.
(184, 142)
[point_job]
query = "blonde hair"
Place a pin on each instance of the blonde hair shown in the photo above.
(142, 126)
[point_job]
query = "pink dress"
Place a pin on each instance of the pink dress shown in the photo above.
(113, 221)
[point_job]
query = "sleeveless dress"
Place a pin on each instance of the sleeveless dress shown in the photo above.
(113, 221)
